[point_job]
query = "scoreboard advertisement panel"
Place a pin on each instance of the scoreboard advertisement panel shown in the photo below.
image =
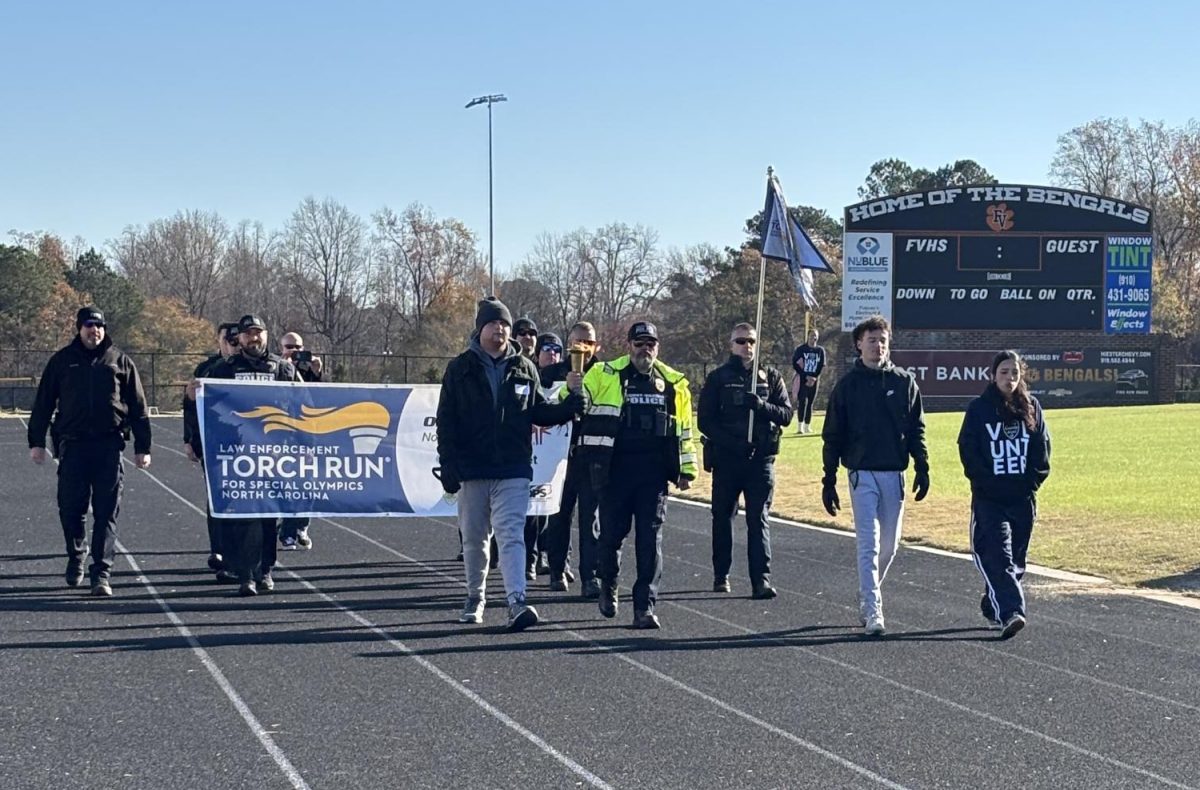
(999, 257)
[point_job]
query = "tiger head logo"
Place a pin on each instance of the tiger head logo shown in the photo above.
(999, 217)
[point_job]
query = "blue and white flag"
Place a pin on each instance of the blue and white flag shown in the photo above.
(784, 240)
(294, 449)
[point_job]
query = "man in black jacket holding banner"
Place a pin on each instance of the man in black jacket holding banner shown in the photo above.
(249, 544)
(743, 463)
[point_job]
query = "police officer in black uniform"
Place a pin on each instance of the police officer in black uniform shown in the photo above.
(742, 464)
(227, 344)
(99, 398)
(249, 544)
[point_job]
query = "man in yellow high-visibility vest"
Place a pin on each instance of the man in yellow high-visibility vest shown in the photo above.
(636, 437)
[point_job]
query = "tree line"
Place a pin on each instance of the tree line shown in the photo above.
(406, 282)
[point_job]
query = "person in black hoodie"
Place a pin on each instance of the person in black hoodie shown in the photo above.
(490, 400)
(741, 465)
(1005, 451)
(99, 398)
(874, 422)
(808, 361)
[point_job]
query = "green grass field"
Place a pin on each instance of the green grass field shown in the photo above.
(1117, 503)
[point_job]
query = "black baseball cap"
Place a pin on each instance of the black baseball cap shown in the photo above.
(248, 322)
(643, 329)
(524, 324)
(89, 313)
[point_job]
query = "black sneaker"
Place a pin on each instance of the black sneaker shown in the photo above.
(226, 577)
(559, 583)
(570, 575)
(763, 591)
(1012, 625)
(248, 589)
(543, 564)
(721, 584)
(608, 600)
(520, 615)
(591, 589)
(74, 571)
(646, 621)
(531, 572)
(215, 562)
(101, 588)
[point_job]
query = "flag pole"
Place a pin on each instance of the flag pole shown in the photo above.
(762, 284)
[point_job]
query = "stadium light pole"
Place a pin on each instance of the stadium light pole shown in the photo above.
(489, 101)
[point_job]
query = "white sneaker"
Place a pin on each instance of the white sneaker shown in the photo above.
(472, 611)
(874, 626)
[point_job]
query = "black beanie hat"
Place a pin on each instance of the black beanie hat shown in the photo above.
(89, 313)
(491, 309)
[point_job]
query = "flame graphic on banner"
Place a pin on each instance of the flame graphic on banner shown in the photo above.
(366, 421)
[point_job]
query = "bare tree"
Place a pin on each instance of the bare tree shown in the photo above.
(418, 258)
(558, 264)
(629, 275)
(1089, 157)
(328, 258)
(181, 257)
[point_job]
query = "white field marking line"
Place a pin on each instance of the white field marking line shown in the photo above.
(243, 709)
(808, 745)
(1176, 600)
(1008, 656)
(1040, 570)
(495, 712)
(1080, 750)
(239, 704)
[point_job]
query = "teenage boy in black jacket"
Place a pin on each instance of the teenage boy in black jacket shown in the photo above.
(1005, 451)
(874, 422)
(490, 399)
(99, 398)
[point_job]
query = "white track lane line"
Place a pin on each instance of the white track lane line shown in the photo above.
(260, 732)
(1008, 655)
(492, 710)
(678, 684)
(1080, 750)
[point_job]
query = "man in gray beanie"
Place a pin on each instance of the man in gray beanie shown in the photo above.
(490, 400)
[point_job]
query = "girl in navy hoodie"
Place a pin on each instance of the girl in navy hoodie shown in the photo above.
(1005, 452)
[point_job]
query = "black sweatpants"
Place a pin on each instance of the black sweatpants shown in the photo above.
(754, 477)
(1000, 534)
(577, 490)
(635, 498)
(250, 547)
(89, 470)
(808, 396)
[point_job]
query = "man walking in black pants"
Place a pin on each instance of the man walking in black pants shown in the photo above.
(743, 464)
(99, 398)
(808, 361)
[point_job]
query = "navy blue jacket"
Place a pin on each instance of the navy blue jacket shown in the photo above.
(1002, 458)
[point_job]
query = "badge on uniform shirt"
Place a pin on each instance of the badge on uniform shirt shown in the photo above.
(660, 385)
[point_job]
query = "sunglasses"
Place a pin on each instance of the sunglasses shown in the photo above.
(527, 333)
(553, 349)
(645, 343)
(292, 346)
(745, 341)
(94, 324)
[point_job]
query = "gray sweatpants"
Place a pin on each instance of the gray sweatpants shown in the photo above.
(485, 506)
(878, 502)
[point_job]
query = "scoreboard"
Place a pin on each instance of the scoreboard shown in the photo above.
(999, 257)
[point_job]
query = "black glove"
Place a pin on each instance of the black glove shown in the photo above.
(450, 482)
(754, 401)
(921, 485)
(829, 498)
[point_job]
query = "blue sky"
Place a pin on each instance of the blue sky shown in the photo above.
(665, 114)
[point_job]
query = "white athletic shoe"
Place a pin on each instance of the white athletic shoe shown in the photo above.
(472, 611)
(874, 626)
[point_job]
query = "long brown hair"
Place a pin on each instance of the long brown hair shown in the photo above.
(1019, 406)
